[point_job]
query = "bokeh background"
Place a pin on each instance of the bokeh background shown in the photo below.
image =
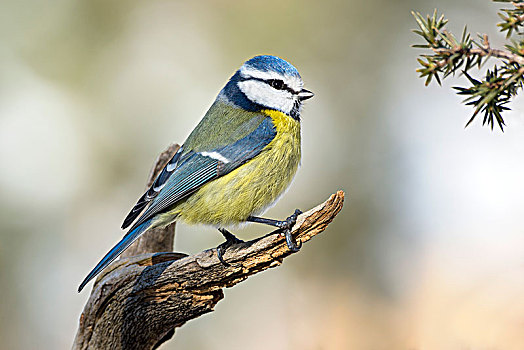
(428, 252)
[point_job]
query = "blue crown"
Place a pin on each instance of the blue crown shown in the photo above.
(272, 63)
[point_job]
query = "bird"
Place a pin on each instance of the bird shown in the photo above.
(236, 162)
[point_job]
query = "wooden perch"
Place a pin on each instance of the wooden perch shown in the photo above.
(138, 301)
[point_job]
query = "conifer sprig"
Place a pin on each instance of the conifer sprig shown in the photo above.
(448, 55)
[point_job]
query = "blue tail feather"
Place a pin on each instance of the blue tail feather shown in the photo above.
(128, 239)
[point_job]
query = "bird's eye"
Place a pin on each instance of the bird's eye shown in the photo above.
(277, 84)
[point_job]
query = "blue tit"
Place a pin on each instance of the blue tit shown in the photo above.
(236, 163)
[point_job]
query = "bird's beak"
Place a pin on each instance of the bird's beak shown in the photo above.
(305, 94)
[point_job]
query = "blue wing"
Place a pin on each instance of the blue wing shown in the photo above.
(194, 169)
(154, 190)
(185, 173)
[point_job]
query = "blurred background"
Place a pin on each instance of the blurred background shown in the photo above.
(428, 252)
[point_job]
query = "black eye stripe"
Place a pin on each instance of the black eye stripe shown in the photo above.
(279, 85)
(275, 83)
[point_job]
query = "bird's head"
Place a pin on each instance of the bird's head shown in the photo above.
(267, 82)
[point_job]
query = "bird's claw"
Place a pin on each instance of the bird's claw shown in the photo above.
(230, 240)
(291, 242)
(286, 227)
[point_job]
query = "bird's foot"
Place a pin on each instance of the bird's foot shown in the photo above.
(286, 227)
(230, 240)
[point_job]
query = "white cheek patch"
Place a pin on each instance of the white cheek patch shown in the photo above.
(263, 94)
(215, 155)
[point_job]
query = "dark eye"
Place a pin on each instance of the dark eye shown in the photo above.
(277, 84)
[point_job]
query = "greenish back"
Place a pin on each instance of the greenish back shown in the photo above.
(222, 125)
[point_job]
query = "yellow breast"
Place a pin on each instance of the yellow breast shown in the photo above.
(250, 188)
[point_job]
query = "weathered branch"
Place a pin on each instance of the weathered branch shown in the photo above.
(138, 301)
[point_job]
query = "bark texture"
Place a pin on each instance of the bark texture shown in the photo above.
(138, 301)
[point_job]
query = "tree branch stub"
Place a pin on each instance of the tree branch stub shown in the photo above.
(139, 301)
